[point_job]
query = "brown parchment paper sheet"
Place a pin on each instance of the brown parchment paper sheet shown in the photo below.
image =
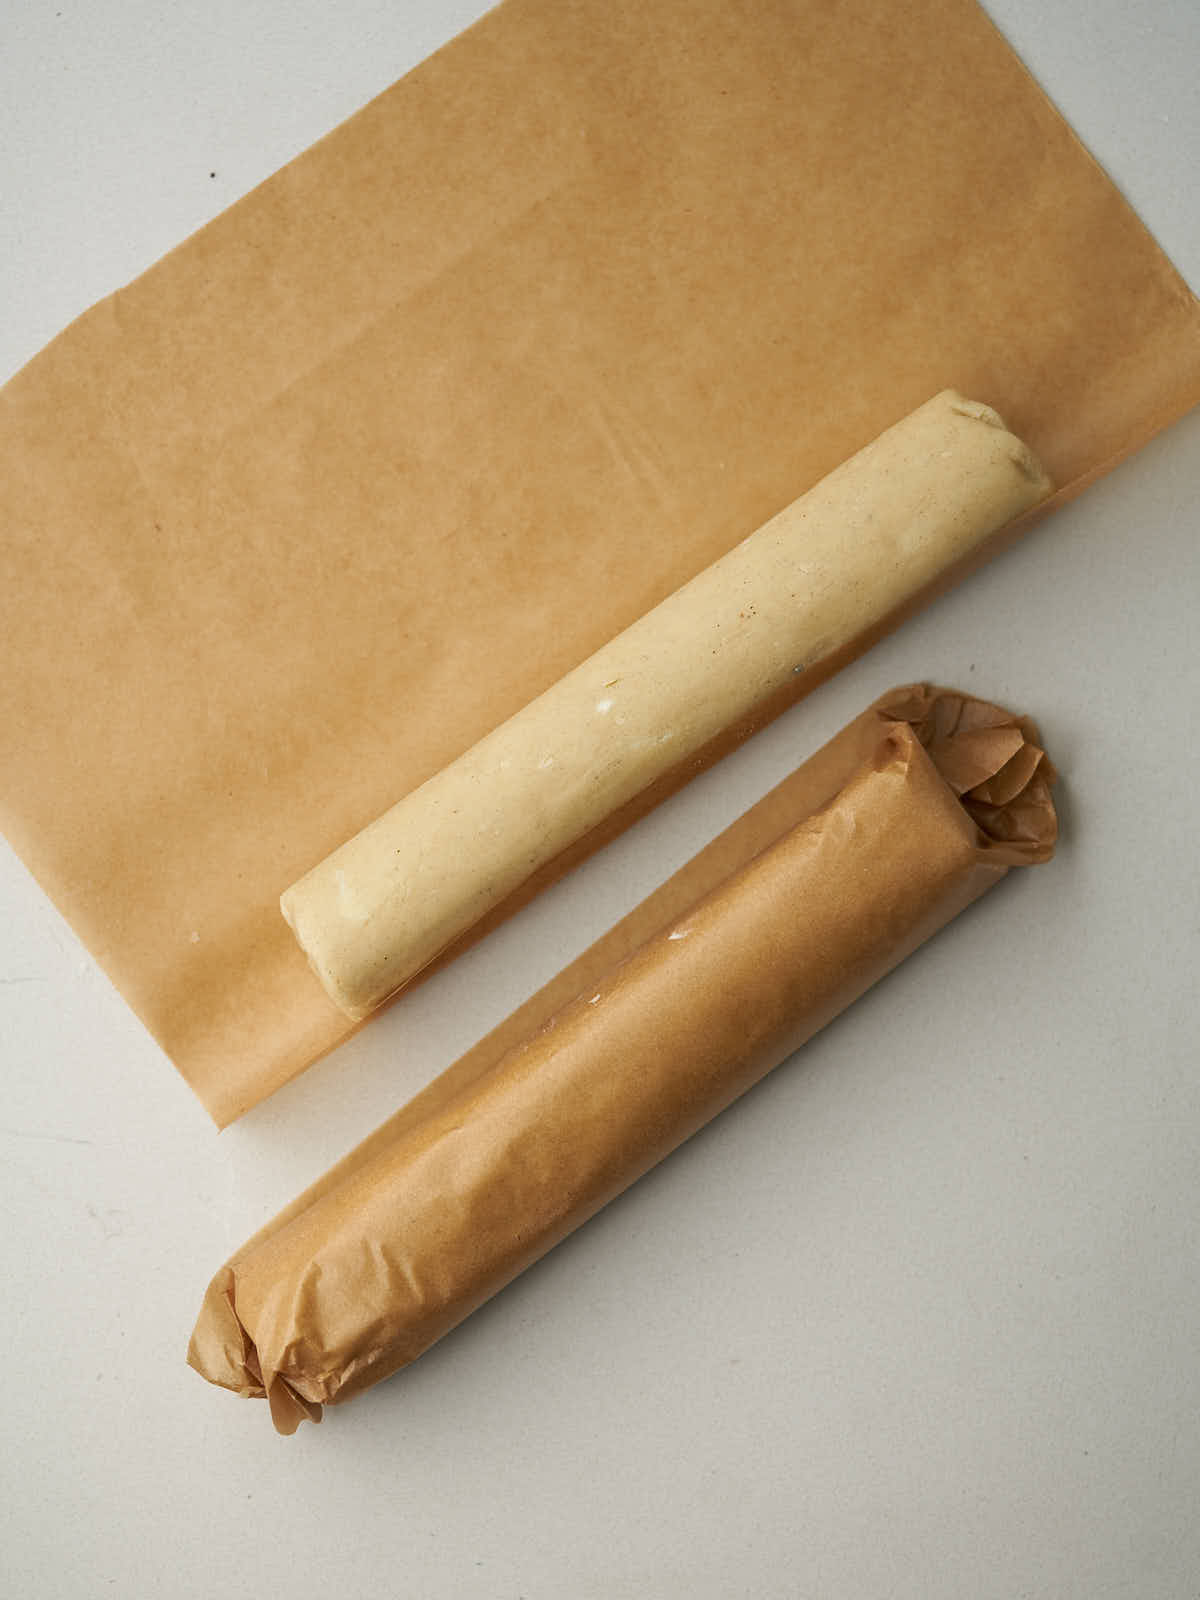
(894, 827)
(384, 450)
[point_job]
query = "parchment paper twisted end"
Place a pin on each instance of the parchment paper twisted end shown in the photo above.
(994, 762)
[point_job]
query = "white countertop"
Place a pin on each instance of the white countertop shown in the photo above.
(920, 1316)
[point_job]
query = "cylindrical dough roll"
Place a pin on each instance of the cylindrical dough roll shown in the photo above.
(819, 890)
(862, 542)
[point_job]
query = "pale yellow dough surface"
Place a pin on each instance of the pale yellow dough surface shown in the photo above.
(824, 570)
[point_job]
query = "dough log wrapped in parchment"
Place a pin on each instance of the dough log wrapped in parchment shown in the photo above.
(826, 571)
(884, 835)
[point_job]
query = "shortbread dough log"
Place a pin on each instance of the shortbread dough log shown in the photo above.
(826, 569)
(875, 842)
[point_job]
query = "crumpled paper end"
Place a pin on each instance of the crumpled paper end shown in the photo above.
(993, 761)
(222, 1351)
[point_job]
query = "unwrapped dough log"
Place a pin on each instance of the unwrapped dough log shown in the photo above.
(878, 840)
(828, 568)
